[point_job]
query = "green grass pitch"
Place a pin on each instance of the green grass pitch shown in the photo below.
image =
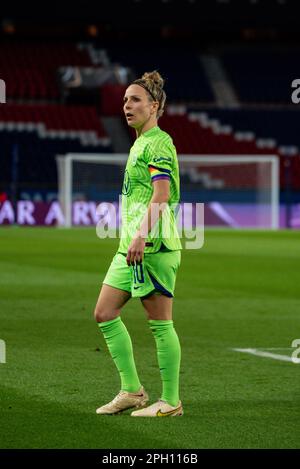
(242, 289)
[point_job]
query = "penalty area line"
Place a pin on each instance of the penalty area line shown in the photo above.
(261, 353)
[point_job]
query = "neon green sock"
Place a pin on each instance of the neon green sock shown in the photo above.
(168, 355)
(119, 345)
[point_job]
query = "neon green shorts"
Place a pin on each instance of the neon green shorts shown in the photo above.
(157, 273)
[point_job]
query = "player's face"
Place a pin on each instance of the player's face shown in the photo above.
(138, 108)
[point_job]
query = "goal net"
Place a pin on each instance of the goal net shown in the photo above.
(240, 191)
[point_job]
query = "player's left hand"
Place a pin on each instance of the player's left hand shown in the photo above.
(135, 251)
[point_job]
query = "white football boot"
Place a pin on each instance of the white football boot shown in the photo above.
(123, 401)
(159, 409)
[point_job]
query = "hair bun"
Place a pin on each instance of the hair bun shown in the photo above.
(155, 77)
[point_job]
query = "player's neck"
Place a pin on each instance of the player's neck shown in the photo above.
(145, 127)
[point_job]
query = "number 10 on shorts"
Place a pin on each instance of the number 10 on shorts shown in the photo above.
(138, 273)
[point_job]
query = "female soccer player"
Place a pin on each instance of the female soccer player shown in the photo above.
(148, 257)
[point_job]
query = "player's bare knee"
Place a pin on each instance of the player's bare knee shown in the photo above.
(101, 314)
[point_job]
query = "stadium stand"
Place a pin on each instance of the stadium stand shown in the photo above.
(43, 129)
(265, 123)
(262, 77)
(186, 82)
(29, 69)
(211, 133)
(56, 117)
(39, 132)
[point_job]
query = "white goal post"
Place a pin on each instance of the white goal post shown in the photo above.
(265, 168)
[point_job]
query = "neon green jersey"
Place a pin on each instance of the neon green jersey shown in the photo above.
(152, 156)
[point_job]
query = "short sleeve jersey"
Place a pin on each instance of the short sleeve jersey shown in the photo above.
(152, 157)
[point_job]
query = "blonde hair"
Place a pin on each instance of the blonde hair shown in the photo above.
(153, 83)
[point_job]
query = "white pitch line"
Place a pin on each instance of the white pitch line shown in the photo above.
(260, 353)
(278, 348)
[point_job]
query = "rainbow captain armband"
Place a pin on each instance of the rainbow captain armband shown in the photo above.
(159, 173)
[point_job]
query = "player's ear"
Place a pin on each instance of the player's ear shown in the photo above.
(155, 106)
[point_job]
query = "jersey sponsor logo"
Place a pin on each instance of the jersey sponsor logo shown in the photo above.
(156, 159)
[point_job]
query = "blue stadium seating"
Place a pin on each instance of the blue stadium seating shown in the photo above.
(36, 157)
(280, 124)
(184, 74)
(262, 77)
